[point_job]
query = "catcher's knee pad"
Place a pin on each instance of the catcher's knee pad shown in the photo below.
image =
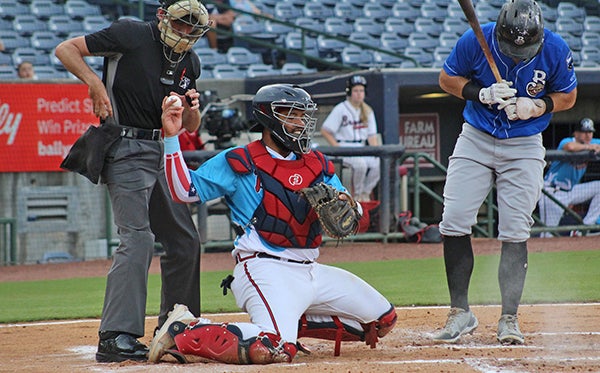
(224, 343)
(334, 330)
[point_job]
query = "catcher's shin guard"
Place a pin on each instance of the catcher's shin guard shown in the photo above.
(224, 343)
(332, 331)
(377, 329)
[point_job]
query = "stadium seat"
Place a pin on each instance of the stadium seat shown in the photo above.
(256, 70)
(293, 68)
(94, 23)
(12, 40)
(576, 58)
(277, 28)
(285, 11)
(376, 11)
(590, 39)
(570, 10)
(441, 53)
(27, 24)
(424, 41)
(5, 59)
(35, 56)
(392, 41)
(590, 54)
(486, 12)
(434, 12)
(448, 39)
(428, 26)
(44, 9)
(424, 58)
(206, 74)
(381, 59)
(44, 40)
(364, 38)
(293, 41)
(227, 71)
(405, 11)
(49, 73)
(591, 64)
(79, 9)
(242, 57)
(357, 57)
(368, 26)
(9, 9)
(245, 24)
(398, 26)
(96, 62)
(386, 3)
(8, 73)
(317, 11)
(569, 25)
(330, 48)
(346, 11)
(574, 42)
(457, 26)
(408, 64)
(549, 13)
(454, 11)
(337, 26)
(62, 25)
(592, 23)
(356, 3)
(209, 58)
(310, 24)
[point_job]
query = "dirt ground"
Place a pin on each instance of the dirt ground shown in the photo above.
(559, 337)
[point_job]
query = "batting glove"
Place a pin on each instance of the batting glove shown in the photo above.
(497, 93)
(526, 108)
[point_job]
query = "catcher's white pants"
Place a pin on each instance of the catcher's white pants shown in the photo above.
(365, 173)
(551, 212)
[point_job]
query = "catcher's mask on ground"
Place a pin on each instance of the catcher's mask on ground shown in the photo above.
(520, 29)
(181, 24)
(288, 112)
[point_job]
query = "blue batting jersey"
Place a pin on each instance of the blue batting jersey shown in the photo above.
(551, 70)
(565, 175)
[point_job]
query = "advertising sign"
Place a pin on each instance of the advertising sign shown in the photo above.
(420, 133)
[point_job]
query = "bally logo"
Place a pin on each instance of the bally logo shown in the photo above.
(9, 123)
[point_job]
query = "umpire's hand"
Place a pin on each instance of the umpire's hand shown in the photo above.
(171, 117)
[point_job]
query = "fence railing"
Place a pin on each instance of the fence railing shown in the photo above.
(8, 241)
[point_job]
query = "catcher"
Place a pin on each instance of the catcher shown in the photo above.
(269, 186)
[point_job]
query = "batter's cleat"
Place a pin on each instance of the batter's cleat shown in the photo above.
(460, 322)
(508, 331)
(163, 340)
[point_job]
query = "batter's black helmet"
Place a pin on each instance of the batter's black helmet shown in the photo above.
(355, 80)
(520, 29)
(272, 107)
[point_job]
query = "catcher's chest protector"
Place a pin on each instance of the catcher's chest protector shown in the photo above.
(283, 218)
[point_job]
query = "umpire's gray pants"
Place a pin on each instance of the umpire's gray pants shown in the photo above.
(143, 208)
(479, 160)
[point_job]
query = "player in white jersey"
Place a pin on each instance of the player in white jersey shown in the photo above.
(352, 123)
(563, 179)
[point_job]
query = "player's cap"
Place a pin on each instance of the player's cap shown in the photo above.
(520, 29)
(355, 80)
(586, 125)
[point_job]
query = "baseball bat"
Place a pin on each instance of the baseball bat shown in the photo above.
(469, 11)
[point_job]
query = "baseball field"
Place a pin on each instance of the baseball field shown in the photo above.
(560, 337)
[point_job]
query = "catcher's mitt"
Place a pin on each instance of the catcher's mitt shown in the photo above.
(339, 218)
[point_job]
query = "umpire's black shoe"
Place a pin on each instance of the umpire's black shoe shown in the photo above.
(120, 348)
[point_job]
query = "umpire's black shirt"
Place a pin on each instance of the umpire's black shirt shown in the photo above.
(133, 65)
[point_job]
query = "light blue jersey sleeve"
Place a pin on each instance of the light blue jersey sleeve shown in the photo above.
(565, 175)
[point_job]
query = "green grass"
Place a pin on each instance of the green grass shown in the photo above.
(552, 277)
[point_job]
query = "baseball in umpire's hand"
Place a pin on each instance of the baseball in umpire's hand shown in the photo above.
(171, 117)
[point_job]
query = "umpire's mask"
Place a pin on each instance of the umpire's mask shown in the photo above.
(181, 24)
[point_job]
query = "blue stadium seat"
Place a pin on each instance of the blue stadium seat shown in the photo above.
(424, 58)
(227, 71)
(63, 25)
(9, 9)
(441, 53)
(398, 26)
(293, 41)
(590, 39)
(209, 58)
(434, 12)
(357, 57)
(428, 26)
(96, 62)
(206, 74)
(27, 24)
(364, 38)
(79, 9)
(5, 59)
(35, 56)
(592, 23)
(570, 10)
(405, 11)
(317, 11)
(94, 23)
(486, 13)
(448, 39)
(376, 11)
(49, 73)
(590, 54)
(260, 69)
(44, 40)
(392, 41)
(242, 57)
(8, 73)
(549, 13)
(12, 40)
(368, 26)
(44, 9)
(286, 11)
(356, 3)
(338, 27)
(277, 28)
(454, 11)
(386, 3)
(457, 26)
(381, 59)
(330, 48)
(293, 68)
(576, 58)
(245, 24)
(424, 41)
(590, 64)
(569, 25)
(346, 11)
(310, 23)
(574, 42)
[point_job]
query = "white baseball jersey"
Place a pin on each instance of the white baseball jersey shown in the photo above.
(344, 123)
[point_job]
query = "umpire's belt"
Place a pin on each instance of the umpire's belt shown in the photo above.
(239, 258)
(140, 133)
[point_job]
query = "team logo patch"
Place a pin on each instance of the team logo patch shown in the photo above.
(295, 179)
(519, 40)
(184, 82)
(534, 88)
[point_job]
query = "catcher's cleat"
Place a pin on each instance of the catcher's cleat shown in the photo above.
(163, 340)
(459, 323)
(508, 331)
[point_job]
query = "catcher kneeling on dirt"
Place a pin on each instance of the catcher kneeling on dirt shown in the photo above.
(281, 195)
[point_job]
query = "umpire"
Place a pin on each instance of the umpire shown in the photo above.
(501, 144)
(144, 62)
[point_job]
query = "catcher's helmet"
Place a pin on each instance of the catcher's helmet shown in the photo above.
(272, 107)
(181, 24)
(355, 80)
(520, 29)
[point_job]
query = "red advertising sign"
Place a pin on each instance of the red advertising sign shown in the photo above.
(420, 133)
(40, 122)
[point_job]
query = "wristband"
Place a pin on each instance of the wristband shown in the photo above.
(471, 91)
(549, 104)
